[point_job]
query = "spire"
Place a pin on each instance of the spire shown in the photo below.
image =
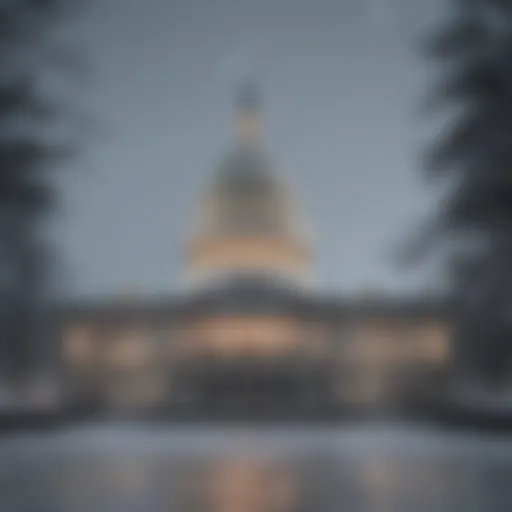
(248, 109)
(249, 96)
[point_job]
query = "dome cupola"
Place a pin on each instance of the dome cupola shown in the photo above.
(248, 221)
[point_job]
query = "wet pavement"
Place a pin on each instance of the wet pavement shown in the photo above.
(122, 468)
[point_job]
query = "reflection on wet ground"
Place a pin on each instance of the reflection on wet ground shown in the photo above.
(373, 468)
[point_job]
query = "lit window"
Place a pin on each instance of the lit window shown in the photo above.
(78, 346)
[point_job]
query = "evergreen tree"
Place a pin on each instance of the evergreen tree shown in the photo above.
(29, 151)
(473, 158)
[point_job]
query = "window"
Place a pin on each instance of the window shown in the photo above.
(78, 344)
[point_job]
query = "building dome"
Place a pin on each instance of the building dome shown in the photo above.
(246, 169)
(248, 219)
(248, 198)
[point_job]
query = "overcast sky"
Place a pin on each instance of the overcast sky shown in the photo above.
(342, 83)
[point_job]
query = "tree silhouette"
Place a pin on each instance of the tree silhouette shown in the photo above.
(29, 150)
(473, 161)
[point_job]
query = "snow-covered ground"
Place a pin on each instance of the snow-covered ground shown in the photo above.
(376, 467)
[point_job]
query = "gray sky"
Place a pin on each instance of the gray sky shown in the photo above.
(342, 85)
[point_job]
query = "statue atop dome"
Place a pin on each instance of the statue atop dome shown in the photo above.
(249, 96)
(248, 111)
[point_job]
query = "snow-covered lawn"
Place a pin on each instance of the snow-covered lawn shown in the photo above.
(372, 467)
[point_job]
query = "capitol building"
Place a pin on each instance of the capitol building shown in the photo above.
(248, 330)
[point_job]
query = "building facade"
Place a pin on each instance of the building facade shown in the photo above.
(249, 330)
